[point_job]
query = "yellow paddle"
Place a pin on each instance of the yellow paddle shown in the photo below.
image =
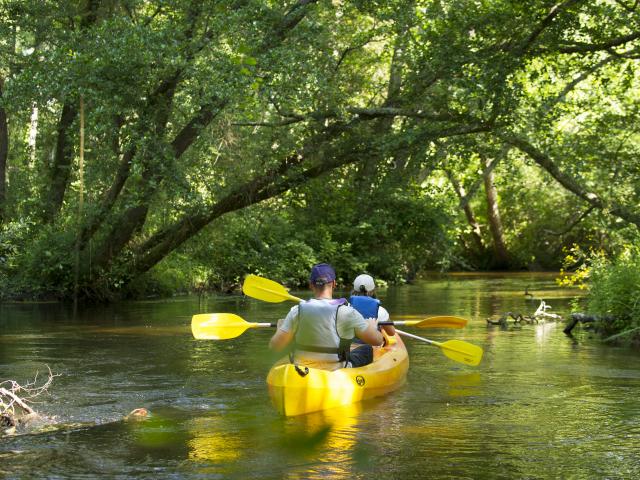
(440, 321)
(270, 291)
(266, 290)
(457, 350)
(222, 326)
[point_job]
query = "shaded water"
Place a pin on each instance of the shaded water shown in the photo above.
(540, 405)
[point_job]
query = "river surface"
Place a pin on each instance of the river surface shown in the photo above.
(540, 405)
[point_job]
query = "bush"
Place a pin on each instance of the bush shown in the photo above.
(614, 291)
(613, 287)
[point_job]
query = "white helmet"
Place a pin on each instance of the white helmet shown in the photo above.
(365, 282)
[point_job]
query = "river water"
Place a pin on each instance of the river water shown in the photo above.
(540, 405)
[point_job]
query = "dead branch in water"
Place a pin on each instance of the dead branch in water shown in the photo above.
(15, 398)
(540, 316)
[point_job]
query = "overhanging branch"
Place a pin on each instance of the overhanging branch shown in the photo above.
(364, 113)
(568, 182)
(596, 47)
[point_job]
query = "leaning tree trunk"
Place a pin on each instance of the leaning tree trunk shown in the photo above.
(628, 213)
(137, 196)
(61, 168)
(4, 153)
(476, 234)
(501, 255)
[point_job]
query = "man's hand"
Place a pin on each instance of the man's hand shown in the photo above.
(371, 335)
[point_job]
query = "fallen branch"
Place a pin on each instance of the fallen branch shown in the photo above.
(503, 320)
(540, 315)
(621, 334)
(15, 399)
(578, 317)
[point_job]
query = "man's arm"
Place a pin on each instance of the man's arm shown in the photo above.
(284, 333)
(280, 340)
(371, 335)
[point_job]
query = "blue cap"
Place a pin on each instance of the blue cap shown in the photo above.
(321, 274)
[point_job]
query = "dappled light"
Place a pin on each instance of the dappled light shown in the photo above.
(539, 402)
(305, 239)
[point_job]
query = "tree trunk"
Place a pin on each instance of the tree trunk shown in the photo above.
(4, 153)
(468, 212)
(138, 196)
(33, 135)
(265, 186)
(501, 255)
(61, 167)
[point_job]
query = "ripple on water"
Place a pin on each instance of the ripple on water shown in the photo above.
(540, 405)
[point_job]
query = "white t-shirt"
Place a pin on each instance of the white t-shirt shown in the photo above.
(383, 315)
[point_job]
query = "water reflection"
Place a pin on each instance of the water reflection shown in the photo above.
(544, 331)
(330, 436)
(318, 445)
(213, 440)
(540, 405)
(464, 384)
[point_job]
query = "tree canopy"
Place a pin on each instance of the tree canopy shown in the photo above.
(389, 136)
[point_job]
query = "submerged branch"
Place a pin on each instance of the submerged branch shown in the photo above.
(13, 394)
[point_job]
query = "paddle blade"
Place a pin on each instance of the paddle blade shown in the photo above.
(439, 322)
(218, 326)
(266, 290)
(462, 352)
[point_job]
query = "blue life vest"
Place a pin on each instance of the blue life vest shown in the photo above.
(367, 306)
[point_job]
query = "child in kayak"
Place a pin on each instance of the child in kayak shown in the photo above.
(364, 300)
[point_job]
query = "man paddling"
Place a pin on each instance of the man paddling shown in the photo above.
(321, 329)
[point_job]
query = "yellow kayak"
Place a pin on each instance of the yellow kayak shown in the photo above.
(293, 394)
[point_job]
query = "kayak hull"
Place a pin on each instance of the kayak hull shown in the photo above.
(294, 394)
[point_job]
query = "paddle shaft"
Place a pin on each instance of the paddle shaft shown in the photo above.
(409, 323)
(272, 325)
(437, 344)
(220, 326)
(416, 337)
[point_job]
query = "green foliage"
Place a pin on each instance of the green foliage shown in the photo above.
(258, 241)
(47, 258)
(393, 234)
(613, 286)
(614, 290)
(577, 267)
(340, 118)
